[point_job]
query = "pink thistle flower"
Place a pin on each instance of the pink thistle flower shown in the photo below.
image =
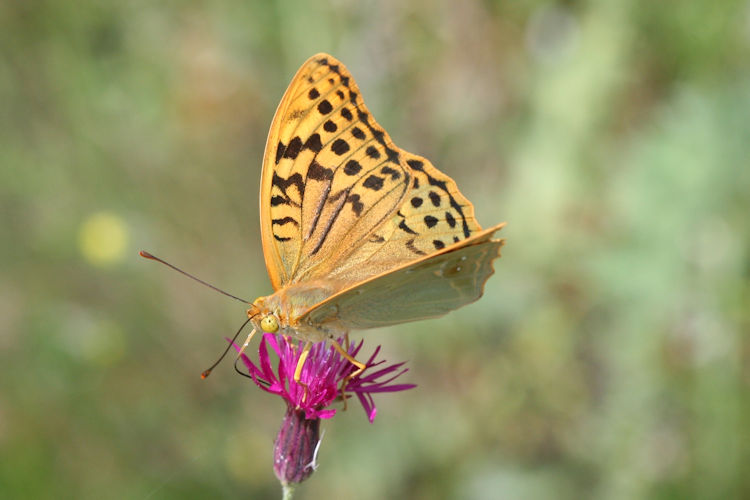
(322, 374)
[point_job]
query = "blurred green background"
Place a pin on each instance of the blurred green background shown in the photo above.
(608, 358)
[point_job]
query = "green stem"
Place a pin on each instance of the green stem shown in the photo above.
(287, 491)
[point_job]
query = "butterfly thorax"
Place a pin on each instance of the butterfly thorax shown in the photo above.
(290, 303)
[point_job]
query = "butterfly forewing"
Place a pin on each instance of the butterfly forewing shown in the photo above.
(338, 199)
(331, 175)
(428, 288)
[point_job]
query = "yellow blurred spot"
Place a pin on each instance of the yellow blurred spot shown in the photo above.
(102, 238)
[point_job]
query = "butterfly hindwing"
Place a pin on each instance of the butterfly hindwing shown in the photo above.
(427, 288)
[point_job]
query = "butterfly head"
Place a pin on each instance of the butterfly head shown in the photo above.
(263, 317)
(280, 312)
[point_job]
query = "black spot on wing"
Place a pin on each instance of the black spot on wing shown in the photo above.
(392, 154)
(313, 94)
(318, 172)
(438, 244)
(324, 107)
(293, 149)
(352, 167)
(373, 182)
(281, 238)
(357, 132)
(416, 202)
(430, 221)
(372, 152)
(346, 114)
(280, 148)
(357, 205)
(285, 220)
(450, 219)
(395, 174)
(402, 226)
(434, 198)
(340, 146)
(329, 126)
(313, 143)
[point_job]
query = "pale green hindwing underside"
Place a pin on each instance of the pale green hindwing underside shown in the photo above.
(427, 288)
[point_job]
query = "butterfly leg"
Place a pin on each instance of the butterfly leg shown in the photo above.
(360, 367)
(247, 342)
(301, 363)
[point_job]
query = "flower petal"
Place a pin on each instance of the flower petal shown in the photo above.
(321, 376)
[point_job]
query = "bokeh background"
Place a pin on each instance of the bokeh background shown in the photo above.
(608, 358)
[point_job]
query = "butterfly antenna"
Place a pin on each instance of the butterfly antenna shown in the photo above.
(147, 255)
(256, 380)
(236, 368)
(207, 372)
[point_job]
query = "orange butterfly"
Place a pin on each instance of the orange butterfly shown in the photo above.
(357, 233)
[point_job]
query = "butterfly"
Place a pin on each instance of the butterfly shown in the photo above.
(357, 233)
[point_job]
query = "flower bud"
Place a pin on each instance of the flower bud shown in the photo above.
(295, 447)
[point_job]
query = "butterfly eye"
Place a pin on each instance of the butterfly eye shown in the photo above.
(269, 324)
